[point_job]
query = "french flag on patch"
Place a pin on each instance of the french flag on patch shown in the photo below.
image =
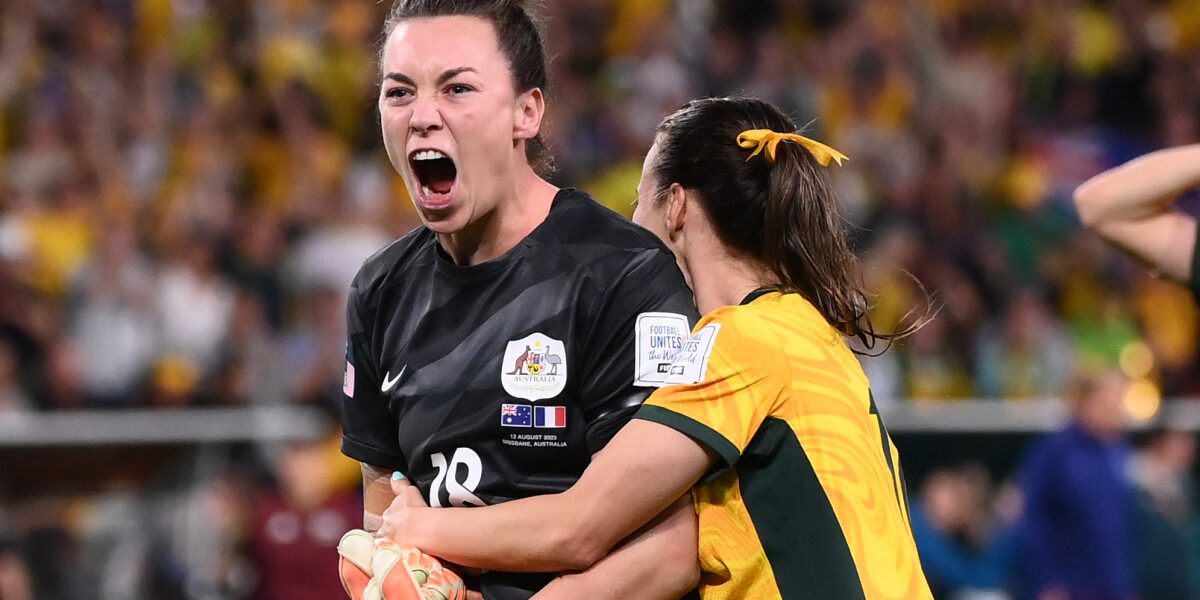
(549, 417)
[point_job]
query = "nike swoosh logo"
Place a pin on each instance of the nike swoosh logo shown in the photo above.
(388, 384)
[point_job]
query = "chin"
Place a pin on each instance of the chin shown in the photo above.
(444, 221)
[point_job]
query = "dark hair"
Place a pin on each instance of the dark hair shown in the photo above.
(783, 215)
(519, 38)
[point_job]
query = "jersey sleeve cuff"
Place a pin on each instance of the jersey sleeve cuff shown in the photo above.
(372, 456)
(707, 436)
(602, 431)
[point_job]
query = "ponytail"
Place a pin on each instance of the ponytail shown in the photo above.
(777, 208)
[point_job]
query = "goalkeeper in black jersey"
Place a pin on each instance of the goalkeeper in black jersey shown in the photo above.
(496, 349)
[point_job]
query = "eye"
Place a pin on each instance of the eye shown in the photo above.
(397, 93)
(458, 89)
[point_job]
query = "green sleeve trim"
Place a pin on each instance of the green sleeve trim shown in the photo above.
(696, 430)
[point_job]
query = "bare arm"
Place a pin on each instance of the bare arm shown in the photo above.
(1130, 206)
(658, 561)
(377, 496)
(642, 471)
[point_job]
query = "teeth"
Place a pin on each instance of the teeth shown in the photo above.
(428, 155)
(426, 191)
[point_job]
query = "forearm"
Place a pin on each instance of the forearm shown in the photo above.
(377, 495)
(660, 561)
(537, 534)
(625, 487)
(1130, 207)
(1139, 189)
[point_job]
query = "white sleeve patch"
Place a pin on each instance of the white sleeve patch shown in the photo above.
(692, 361)
(660, 337)
(348, 380)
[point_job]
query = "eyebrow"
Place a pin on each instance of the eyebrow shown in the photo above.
(446, 75)
(401, 78)
(452, 73)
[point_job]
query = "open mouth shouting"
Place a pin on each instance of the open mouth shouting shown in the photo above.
(436, 175)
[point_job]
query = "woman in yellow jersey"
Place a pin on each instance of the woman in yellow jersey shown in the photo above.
(768, 418)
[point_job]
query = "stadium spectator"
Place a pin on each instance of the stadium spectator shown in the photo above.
(311, 345)
(966, 554)
(15, 583)
(108, 307)
(193, 304)
(1165, 526)
(1076, 536)
(293, 528)
(251, 370)
(13, 396)
(1027, 354)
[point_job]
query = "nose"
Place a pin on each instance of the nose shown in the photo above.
(426, 116)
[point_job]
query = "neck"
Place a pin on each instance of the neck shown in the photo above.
(724, 280)
(524, 204)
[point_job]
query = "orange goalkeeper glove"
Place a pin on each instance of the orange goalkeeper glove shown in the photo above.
(378, 569)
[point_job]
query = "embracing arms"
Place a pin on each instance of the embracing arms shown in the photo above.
(657, 561)
(641, 472)
(627, 528)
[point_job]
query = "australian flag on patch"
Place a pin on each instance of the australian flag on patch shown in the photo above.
(516, 415)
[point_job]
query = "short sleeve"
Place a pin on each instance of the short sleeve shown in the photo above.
(724, 388)
(370, 431)
(1194, 275)
(646, 315)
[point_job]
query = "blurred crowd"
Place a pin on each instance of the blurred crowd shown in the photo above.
(188, 186)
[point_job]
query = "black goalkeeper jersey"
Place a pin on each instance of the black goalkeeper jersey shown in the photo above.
(498, 381)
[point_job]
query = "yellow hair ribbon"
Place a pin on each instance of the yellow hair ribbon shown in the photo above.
(765, 138)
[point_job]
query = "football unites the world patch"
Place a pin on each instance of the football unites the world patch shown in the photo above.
(538, 417)
(660, 336)
(534, 367)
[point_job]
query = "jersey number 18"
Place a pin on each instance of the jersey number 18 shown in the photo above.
(460, 492)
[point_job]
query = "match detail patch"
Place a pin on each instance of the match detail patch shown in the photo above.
(660, 337)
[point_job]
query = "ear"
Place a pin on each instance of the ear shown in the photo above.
(677, 207)
(528, 112)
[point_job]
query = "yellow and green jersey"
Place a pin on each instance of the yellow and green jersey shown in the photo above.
(807, 499)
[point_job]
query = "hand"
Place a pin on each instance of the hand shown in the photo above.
(403, 512)
(378, 569)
